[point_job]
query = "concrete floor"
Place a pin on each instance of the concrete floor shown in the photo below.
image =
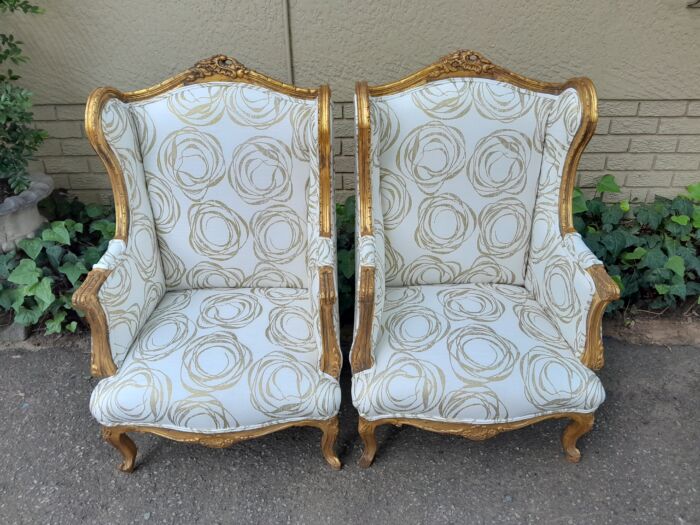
(640, 463)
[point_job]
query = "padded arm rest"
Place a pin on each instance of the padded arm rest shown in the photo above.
(110, 258)
(369, 304)
(573, 287)
(323, 290)
(117, 297)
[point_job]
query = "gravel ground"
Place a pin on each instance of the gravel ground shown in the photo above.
(640, 463)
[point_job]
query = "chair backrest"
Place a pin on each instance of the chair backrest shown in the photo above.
(463, 152)
(231, 165)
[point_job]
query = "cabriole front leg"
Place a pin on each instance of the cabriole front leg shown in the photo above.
(330, 433)
(369, 441)
(123, 443)
(580, 424)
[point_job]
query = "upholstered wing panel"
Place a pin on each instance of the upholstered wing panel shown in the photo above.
(556, 273)
(227, 167)
(459, 160)
(135, 283)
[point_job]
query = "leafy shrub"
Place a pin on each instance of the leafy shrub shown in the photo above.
(650, 249)
(345, 224)
(18, 139)
(38, 280)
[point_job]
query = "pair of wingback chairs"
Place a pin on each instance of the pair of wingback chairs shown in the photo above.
(214, 310)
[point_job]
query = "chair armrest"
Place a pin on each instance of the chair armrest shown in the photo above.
(87, 299)
(606, 291)
(368, 304)
(331, 356)
(323, 287)
(117, 298)
(572, 286)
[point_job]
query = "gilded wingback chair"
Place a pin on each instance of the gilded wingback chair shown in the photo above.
(214, 310)
(479, 307)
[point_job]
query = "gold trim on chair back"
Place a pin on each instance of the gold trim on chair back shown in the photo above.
(363, 161)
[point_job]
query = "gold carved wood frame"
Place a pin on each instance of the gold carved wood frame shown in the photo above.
(469, 64)
(218, 68)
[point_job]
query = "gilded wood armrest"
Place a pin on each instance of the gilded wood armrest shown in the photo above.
(606, 290)
(86, 298)
(331, 357)
(361, 357)
(362, 348)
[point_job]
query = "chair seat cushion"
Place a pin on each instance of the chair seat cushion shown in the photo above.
(221, 360)
(471, 353)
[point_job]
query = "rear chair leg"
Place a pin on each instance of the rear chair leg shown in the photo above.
(123, 443)
(580, 424)
(330, 434)
(366, 430)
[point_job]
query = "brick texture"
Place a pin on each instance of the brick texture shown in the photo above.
(651, 146)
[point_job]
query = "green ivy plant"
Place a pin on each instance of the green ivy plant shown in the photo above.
(345, 220)
(19, 140)
(38, 280)
(650, 249)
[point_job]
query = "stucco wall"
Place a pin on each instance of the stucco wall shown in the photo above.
(645, 49)
(78, 45)
(643, 56)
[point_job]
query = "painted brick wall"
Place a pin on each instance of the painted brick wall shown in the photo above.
(651, 146)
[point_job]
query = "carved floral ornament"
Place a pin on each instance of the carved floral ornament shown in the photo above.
(463, 60)
(217, 65)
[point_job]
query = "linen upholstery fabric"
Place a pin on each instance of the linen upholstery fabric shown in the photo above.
(227, 167)
(473, 353)
(217, 290)
(219, 360)
(465, 177)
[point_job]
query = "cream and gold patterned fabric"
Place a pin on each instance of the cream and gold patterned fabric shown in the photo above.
(471, 353)
(556, 272)
(213, 302)
(219, 360)
(471, 270)
(458, 164)
(136, 283)
(228, 167)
